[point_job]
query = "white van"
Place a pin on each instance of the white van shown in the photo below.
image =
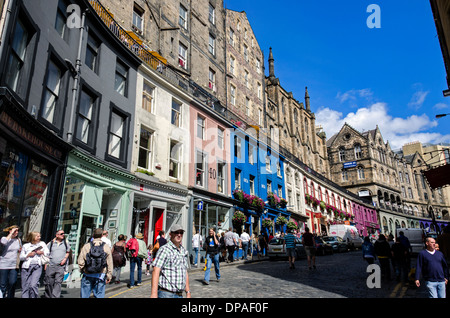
(348, 233)
(416, 238)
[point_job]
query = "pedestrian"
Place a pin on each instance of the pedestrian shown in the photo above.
(230, 243)
(237, 245)
(383, 253)
(9, 261)
(119, 258)
(160, 241)
(170, 276)
(255, 244)
(405, 241)
(399, 254)
(432, 267)
(96, 264)
(289, 244)
(245, 239)
(32, 264)
(262, 244)
(310, 248)
(59, 252)
(106, 239)
(196, 243)
(368, 250)
(223, 248)
(211, 247)
(149, 259)
(138, 253)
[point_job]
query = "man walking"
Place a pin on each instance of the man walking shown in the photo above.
(289, 243)
(170, 277)
(95, 262)
(230, 243)
(212, 256)
(432, 267)
(54, 271)
(245, 239)
(310, 248)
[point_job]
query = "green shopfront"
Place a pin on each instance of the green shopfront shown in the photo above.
(95, 195)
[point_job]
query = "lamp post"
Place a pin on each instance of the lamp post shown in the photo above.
(441, 115)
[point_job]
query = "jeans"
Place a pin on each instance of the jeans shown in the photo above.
(92, 284)
(196, 254)
(244, 250)
(212, 259)
(8, 279)
(133, 262)
(436, 289)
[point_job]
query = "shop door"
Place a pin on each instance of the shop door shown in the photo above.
(158, 222)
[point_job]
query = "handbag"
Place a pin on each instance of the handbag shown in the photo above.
(44, 260)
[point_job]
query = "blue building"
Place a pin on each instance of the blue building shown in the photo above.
(257, 181)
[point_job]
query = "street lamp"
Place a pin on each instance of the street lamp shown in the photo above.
(441, 115)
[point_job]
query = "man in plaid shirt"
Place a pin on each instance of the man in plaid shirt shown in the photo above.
(170, 276)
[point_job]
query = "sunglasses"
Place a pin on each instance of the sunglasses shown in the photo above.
(178, 232)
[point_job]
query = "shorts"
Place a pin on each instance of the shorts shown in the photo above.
(290, 252)
(310, 251)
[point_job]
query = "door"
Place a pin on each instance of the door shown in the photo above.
(158, 222)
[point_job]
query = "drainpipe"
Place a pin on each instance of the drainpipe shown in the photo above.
(76, 79)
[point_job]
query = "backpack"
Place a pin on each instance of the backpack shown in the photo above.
(95, 259)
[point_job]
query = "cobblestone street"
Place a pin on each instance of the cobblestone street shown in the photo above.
(337, 276)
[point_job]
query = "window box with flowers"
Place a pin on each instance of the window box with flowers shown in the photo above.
(273, 199)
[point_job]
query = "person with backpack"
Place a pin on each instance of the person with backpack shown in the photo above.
(96, 265)
(138, 252)
(54, 271)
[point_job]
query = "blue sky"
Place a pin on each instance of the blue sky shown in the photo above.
(392, 76)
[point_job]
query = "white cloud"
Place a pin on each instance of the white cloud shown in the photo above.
(418, 99)
(354, 94)
(398, 131)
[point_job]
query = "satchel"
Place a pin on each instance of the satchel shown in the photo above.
(44, 260)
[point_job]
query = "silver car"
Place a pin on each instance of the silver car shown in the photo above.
(276, 248)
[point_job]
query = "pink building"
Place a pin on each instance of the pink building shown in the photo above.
(366, 219)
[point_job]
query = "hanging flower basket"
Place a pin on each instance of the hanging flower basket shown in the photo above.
(283, 203)
(308, 198)
(273, 199)
(292, 225)
(322, 205)
(239, 195)
(267, 223)
(281, 220)
(239, 217)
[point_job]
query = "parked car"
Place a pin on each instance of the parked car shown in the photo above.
(323, 248)
(338, 244)
(275, 248)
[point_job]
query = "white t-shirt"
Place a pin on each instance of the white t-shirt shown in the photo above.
(245, 237)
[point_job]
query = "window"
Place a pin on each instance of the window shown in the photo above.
(269, 186)
(247, 106)
(232, 64)
(358, 153)
(231, 37)
(344, 175)
(221, 173)
(138, 18)
(200, 169)
(280, 191)
(246, 52)
(220, 136)
(212, 80)
(92, 50)
(200, 127)
(342, 154)
(51, 102)
(182, 56)
(268, 163)
(121, 78)
(410, 193)
(183, 17)
(174, 161)
(116, 145)
(16, 68)
(85, 120)
(212, 14)
(176, 114)
(258, 66)
(251, 155)
(232, 95)
(361, 175)
(246, 79)
(212, 44)
(61, 18)
(145, 148)
(259, 90)
(252, 185)
(147, 97)
(237, 146)
(237, 179)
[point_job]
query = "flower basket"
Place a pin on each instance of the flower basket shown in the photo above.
(239, 217)
(283, 203)
(281, 220)
(292, 225)
(239, 195)
(308, 198)
(323, 205)
(273, 199)
(267, 223)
